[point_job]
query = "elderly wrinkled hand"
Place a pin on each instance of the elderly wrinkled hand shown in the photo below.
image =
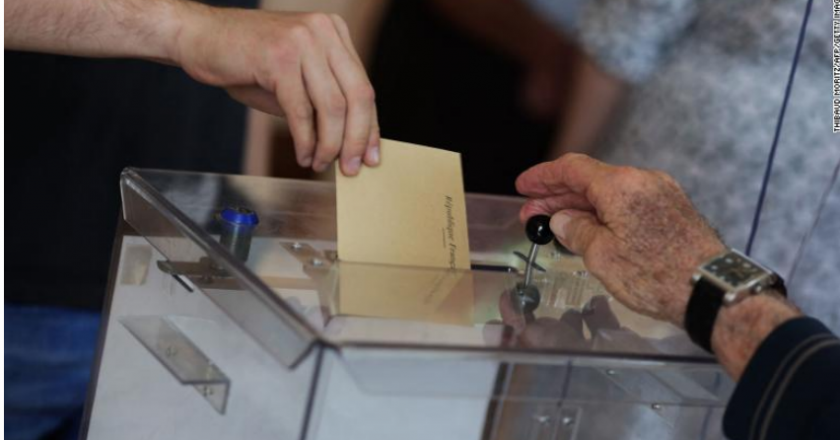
(636, 230)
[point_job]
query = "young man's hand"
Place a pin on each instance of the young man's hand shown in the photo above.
(636, 230)
(300, 66)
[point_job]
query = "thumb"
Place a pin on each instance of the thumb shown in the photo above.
(577, 230)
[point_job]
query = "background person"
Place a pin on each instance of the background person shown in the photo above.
(694, 88)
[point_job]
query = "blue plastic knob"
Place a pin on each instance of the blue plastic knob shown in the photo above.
(238, 215)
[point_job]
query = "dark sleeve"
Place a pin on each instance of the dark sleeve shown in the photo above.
(791, 387)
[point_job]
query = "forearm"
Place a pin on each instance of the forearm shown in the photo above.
(98, 28)
(507, 24)
(740, 329)
(595, 95)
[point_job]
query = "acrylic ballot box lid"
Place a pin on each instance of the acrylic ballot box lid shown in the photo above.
(279, 278)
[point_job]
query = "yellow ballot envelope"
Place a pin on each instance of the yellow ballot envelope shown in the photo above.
(402, 292)
(409, 211)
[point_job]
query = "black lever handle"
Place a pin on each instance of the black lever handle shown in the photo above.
(526, 297)
(538, 230)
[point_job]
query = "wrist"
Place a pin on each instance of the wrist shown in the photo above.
(203, 44)
(155, 34)
(742, 327)
(182, 22)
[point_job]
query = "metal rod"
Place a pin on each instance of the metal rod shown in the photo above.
(524, 258)
(529, 265)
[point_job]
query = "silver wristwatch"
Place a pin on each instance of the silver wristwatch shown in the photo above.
(736, 275)
(724, 280)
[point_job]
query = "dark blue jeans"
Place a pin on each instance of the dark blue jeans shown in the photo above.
(49, 354)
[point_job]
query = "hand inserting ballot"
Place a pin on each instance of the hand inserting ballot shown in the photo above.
(636, 229)
(300, 66)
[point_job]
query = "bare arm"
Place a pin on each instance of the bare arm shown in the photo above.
(300, 66)
(117, 28)
(507, 24)
(513, 28)
(595, 94)
(741, 329)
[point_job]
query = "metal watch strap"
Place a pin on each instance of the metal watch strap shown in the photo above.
(703, 307)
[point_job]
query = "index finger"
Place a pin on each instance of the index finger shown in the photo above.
(571, 173)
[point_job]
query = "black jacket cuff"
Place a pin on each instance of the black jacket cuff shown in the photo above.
(790, 388)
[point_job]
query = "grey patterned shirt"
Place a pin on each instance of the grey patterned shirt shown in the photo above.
(708, 80)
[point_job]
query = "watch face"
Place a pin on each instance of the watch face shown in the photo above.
(734, 269)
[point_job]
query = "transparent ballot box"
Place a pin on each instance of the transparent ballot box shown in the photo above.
(230, 315)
